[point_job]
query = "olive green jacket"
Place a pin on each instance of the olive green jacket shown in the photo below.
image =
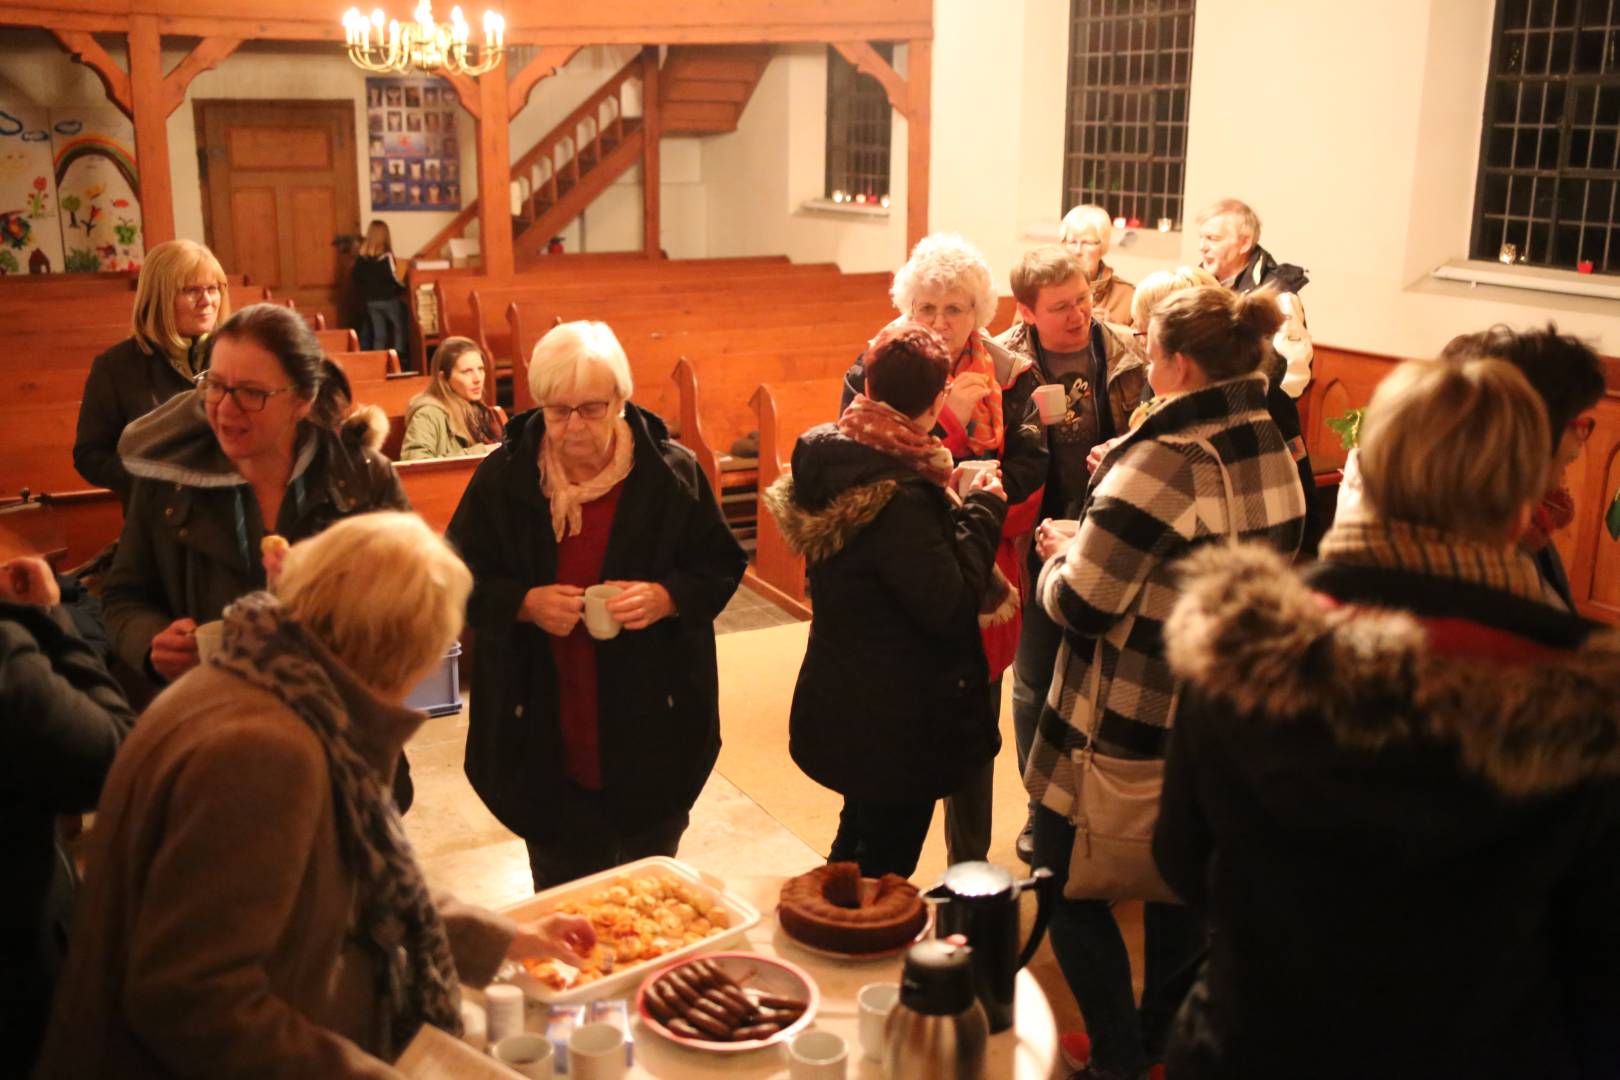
(428, 433)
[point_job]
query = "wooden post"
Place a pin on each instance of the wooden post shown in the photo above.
(150, 113)
(494, 175)
(650, 181)
(919, 82)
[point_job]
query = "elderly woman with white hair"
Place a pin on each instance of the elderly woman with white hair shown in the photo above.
(1088, 232)
(251, 906)
(591, 743)
(989, 415)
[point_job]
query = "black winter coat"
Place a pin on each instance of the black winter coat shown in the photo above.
(124, 384)
(1402, 821)
(64, 720)
(658, 716)
(893, 699)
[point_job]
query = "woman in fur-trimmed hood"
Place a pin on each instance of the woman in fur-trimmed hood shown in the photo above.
(1394, 787)
(893, 707)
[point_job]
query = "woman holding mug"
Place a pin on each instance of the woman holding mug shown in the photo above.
(449, 418)
(592, 750)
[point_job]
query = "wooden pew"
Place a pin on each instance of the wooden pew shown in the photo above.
(337, 341)
(785, 411)
(435, 487)
(731, 289)
(713, 400)
(39, 454)
(369, 366)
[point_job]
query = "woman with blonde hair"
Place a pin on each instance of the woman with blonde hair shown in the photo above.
(591, 739)
(449, 418)
(377, 294)
(181, 295)
(1394, 787)
(252, 904)
(1206, 464)
(1088, 232)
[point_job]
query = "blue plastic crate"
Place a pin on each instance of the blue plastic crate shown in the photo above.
(440, 693)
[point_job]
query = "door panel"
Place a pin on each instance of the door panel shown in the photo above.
(280, 183)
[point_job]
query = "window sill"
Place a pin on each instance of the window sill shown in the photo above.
(858, 211)
(1474, 273)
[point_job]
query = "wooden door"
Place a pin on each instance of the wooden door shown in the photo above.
(280, 185)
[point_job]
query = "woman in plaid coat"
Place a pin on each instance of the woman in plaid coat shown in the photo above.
(1207, 462)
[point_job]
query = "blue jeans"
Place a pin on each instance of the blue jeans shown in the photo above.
(385, 327)
(1038, 643)
(1091, 953)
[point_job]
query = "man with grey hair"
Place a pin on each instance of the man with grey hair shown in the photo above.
(1229, 247)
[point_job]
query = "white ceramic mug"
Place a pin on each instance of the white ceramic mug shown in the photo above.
(970, 471)
(596, 1052)
(598, 622)
(527, 1054)
(817, 1055)
(876, 1001)
(1052, 401)
(474, 1026)
(503, 1009)
(209, 637)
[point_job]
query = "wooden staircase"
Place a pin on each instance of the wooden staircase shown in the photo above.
(703, 90)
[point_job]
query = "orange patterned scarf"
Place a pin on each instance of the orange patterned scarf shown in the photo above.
(985, 427)
(888, 431)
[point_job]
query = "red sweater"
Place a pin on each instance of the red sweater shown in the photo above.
(579, 562)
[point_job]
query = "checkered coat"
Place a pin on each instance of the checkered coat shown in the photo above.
(1155, 496)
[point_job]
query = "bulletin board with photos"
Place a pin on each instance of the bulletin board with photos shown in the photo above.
(415, 158)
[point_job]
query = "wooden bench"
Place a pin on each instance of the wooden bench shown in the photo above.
(369, 366)
(21, 311)
(785, 411)
(39, 448)
(338, 341)
(490, 327)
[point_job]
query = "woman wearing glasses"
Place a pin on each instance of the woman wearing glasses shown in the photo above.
(592, 748)
(181, 296)
(219, 468)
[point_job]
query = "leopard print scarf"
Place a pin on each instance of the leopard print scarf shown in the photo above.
(396, 920)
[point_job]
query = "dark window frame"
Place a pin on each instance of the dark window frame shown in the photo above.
(860, 129)
(1524, 188)
(1125, 123)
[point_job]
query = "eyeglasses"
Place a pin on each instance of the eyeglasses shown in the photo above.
(193, 293)
(952, 312)
(1582, 427)
(248, 398)
(590, 410)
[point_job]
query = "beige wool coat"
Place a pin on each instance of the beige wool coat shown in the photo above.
(211, 935)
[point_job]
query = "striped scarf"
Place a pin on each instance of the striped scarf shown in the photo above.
(1363, 539)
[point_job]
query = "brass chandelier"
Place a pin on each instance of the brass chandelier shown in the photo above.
(423, 45)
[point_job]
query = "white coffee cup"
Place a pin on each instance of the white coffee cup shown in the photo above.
(503, 1009)
(596, 1052)
(1052, 401)
(970, 471)
(527, 1054)
(598, 622)
(474, 1025)
(876, 1001)
(209, 637)
(817, 1055)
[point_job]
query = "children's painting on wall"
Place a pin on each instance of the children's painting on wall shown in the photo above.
(68, 190)
(408, 125)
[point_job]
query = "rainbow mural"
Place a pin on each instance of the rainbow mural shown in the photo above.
(86, 146)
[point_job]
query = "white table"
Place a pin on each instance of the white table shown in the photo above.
(1026, 1051)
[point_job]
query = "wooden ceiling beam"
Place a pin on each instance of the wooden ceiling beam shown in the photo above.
(867, 59)
(545, 63)
(209, 52)
(87, 51)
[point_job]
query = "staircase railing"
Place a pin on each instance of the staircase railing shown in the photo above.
(540, 170)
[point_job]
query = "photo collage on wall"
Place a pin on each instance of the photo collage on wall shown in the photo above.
(415, 158)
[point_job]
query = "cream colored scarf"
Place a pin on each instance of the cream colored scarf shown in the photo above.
(566, 497)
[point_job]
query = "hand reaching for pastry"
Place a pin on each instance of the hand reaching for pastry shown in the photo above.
(569, 938)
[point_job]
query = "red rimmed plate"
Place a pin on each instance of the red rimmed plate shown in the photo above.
(751, 971)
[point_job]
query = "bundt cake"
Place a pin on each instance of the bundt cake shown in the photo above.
(830, 909)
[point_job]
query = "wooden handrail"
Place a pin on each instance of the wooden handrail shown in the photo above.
(565, 129)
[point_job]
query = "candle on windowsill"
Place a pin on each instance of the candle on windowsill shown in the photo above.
(1509, 254)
